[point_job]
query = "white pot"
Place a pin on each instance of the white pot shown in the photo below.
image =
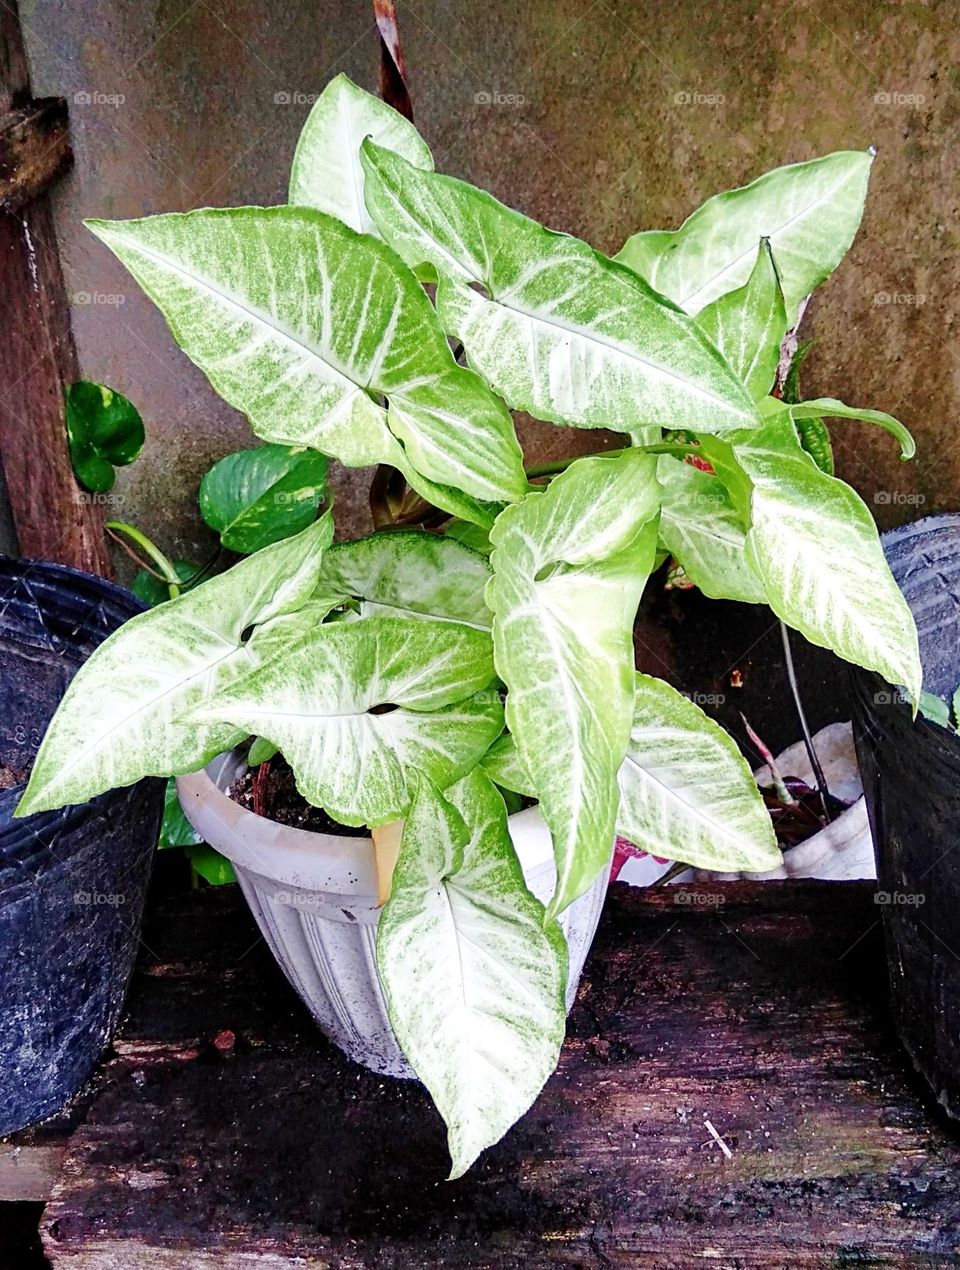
(314, 896)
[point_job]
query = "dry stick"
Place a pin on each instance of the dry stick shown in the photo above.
(818, 775)
(394, 91)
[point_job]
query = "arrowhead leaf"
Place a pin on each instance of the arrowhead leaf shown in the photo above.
(569, 568)
(303, 324)
(686, 792)
(326, 171)
(473, 976)
(556, 328)
(114, 727)
(411, 574)
(748, 325)
(701, 527)
(320, 695)
(816, 547)
(810, 213)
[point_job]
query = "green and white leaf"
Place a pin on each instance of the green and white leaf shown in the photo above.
(303, 324)
(326, 171)
(816, 547)
(748, 325)
(569, 567)
(558, 330)
(502, 764)
(474, 976)
(411, 574)
(701, 527)
(830, 408)
(810, 212)
(123, 715)
(255, 497)
(686, 792)
(317, 698)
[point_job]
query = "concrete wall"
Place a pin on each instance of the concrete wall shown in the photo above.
(616, 115)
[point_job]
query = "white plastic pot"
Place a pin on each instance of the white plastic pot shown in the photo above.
(314, 897)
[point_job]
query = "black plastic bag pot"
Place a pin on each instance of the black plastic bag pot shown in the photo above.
(911, 779)
(73, 881)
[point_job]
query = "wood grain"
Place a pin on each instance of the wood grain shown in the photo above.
(54, 519)
(227, 1132)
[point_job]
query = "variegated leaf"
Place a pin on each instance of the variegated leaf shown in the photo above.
(686, 792)
(302, 324)
(830, 408)
(359, 708)
(411, 574)
(809, 212)
(502, 764)
(255, 497)
(748, 325)
(326, 171)
(816, 547)
(556, 328)
(701, 527)
(122, 717)
(474, 977)
(569, 568)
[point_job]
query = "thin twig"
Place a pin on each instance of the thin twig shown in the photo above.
(804, 728)
(135, 558)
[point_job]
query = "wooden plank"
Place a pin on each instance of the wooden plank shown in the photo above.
(227, 1133)
(34, 149)
(54, 519)
(29, 1172)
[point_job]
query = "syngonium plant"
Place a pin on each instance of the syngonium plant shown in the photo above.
(501, 637)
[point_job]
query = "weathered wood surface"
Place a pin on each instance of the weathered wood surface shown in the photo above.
(227, 1133)
(53, 518)
(34, 148)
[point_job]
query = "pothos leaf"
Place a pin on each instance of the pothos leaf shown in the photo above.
(104, 431)
(255, 497)
(153, 590)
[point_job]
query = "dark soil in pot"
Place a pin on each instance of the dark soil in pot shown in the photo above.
(911, 779)
(72, 882)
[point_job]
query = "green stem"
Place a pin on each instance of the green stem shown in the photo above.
(162, 562)
(560, 465)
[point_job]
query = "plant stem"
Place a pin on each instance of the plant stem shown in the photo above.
(804, 728)
(555, 466)
(162, 562)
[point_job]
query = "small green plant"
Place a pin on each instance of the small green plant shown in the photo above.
(515, 605)
(104, 432)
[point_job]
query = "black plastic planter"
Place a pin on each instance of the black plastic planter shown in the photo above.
(72, 882)
(911, 778)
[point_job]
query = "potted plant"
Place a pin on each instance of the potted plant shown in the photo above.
(385, 670)
(72, 880)
(911, 776)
